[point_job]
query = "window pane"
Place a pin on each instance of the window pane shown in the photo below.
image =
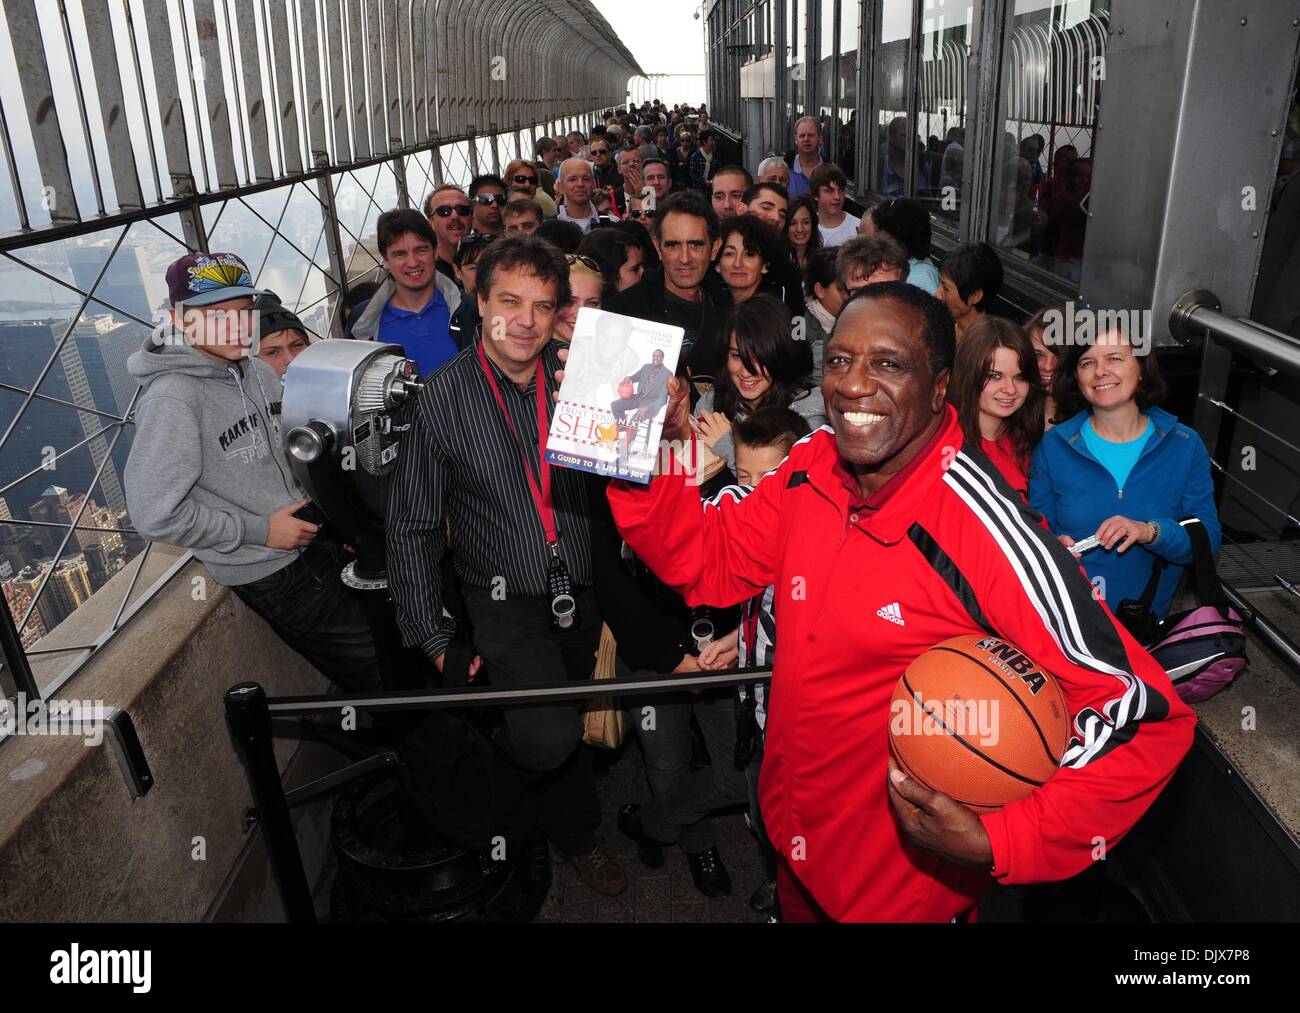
(892, 75)
(847, 86)
(941, 105)
(796, 43)
(826, 76)
(1051, 90)
(65, 457)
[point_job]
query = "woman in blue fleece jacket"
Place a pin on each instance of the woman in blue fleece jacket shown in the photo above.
(1122, 469)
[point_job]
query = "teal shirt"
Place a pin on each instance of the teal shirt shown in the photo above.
(1118, 458)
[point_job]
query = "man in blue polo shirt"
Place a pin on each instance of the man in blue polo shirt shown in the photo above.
(413, 306)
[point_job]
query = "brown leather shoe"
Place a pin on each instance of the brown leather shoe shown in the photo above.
(600, 871)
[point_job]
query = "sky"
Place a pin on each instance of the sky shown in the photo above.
(663, 35)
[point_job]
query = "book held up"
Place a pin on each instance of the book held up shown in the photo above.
(610, 412)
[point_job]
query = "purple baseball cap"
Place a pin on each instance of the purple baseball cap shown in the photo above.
(201, 279)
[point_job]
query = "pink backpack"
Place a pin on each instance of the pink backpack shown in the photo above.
(1204, 648)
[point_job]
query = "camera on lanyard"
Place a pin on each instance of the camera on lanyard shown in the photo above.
(702, 629)
(564, 607)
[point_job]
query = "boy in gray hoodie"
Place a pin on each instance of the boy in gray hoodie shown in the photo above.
(206, 471)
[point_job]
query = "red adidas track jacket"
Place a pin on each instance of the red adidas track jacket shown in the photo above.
(952, 550)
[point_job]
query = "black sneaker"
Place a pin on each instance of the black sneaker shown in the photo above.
(650, 851)
(709, 874)
(763, 899)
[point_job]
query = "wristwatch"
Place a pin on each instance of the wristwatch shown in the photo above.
(1155, 531)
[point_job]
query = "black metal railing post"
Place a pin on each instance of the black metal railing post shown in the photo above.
(250, 723)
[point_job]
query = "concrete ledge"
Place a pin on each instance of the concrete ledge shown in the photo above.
(1263, 742)
(73, 844)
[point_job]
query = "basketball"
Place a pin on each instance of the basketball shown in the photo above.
(976, 719)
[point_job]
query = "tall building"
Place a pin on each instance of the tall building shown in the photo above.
(18, 596)
(69, 586)
(105, 342)
(124, 284)
(102, 561)
(47, 427)
(49, 609)
(56, 506)
(90, 385)
(18, 547)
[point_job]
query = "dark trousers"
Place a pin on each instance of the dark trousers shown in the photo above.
(679, 811)
(756, 816)
(519, 649)
(311, 611)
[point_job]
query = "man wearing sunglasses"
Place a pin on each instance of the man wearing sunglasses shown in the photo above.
(629, 171)
(487, 193)
(603, 167)
(449, 216)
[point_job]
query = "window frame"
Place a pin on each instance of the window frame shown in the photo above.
(985, 90)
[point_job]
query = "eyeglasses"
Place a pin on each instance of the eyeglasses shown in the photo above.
(525, 180)
(600, 151)
(499, 199)
(447, 210)
(475, 238)
(587, 262)
(641, 214)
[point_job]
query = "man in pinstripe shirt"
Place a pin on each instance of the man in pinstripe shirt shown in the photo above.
(461, 473)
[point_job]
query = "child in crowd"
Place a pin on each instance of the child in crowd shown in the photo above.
(827, 185)
(762, 442)
(465, 321)
(281, 335)
(207, 471)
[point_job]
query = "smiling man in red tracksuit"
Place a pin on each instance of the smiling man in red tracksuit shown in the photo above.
(883, 536)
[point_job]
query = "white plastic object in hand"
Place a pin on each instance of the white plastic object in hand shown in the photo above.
(1091, 542)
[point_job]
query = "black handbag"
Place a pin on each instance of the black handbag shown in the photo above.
(1136, 614)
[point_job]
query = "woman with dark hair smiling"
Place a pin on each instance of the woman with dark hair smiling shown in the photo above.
(801, 230)
(998, 395)
(1122, 469)
(763, 366)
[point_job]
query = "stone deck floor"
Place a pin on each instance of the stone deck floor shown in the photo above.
(654, 895)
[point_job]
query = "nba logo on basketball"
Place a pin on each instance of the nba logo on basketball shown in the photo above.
(976, 719)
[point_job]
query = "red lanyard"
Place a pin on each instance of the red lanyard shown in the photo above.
(542, 494)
